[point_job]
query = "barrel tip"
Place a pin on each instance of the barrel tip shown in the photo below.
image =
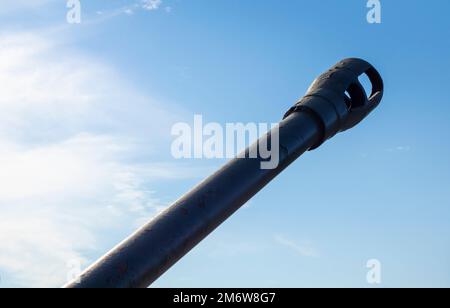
(338, 98)
(361, 103)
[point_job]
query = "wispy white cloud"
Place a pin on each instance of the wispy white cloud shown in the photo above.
(129, 9)
(151, 4)
(400, 148)
(70, 131)
(304, 249)
(107, 12)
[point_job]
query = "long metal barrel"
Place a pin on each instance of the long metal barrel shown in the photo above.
(335, 102)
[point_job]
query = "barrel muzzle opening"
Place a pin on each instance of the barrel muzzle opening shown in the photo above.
(338, 99)
(359, 102)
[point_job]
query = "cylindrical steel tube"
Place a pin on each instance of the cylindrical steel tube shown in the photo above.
(152, 250)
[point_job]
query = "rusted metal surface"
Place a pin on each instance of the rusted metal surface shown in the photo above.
(323, 112)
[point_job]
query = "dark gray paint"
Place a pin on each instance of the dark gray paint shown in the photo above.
(151, 251)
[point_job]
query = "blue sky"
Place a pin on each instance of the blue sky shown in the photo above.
(85, 117)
